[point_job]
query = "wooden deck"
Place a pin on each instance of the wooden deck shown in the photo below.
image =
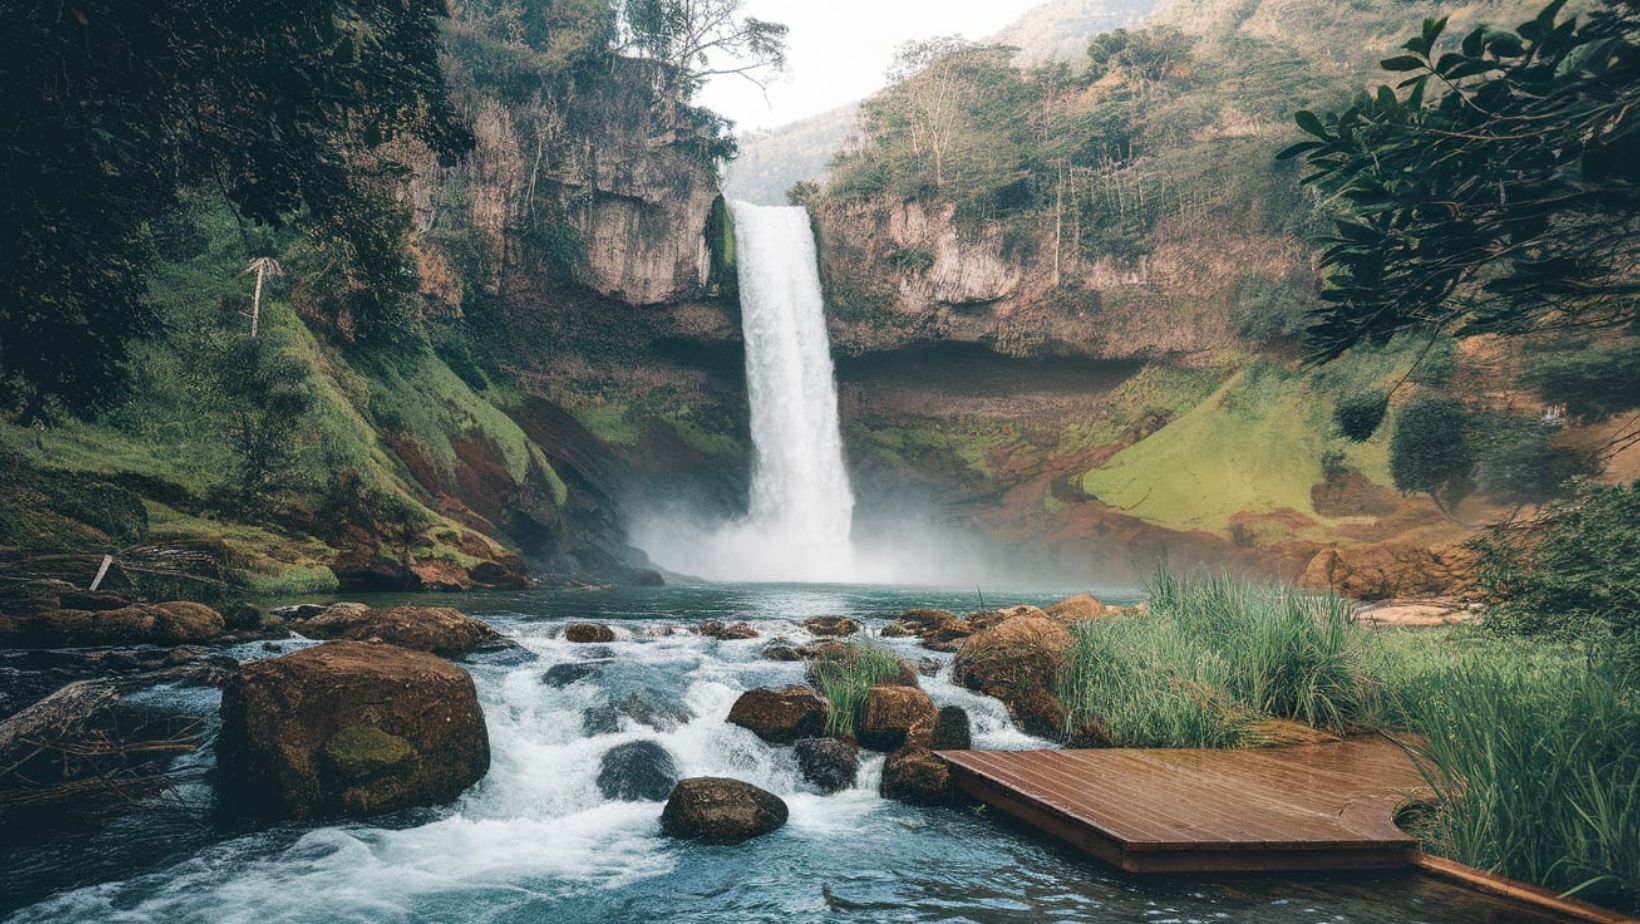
(1320, 806)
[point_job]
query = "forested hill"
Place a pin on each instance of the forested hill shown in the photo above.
(1123, 222)
(771, 161)
(280, 286)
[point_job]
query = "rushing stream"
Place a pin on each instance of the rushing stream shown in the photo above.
(535, 841)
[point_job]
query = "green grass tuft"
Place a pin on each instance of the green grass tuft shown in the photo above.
(845, 678)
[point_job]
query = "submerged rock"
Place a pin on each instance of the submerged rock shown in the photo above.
(830, 764)
(952, 730)
(780, 716)
(916, 775)
(350, 729)
(897, 716)
(436, 629)
(715, 810)
(832, 626)
(588, 633)
(559, 676)
(637, 771)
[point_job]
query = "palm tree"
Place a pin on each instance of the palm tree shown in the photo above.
(262, 266)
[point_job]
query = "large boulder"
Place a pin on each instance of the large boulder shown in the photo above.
(830, 764)
(896, 716)
(780, 716)
(952, 730)
(350, 729)
(721, 811)
(436, 629)
(1080, 607)
(175, 623)
(1013, 655)
(588, 633)
(916, 775)
(637, 771)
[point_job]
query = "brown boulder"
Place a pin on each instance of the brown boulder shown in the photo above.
(938, 630)
(780, 716)
(916, 775)
(1037, 712)
(176, 623)
(352, 729)
(727, 633)
(437, 629)
(831, 764)
(715, 810)
(896, 716)
(1013, 655)
(832, 626)
(588, 633)
(441, 574)
(1078, 608)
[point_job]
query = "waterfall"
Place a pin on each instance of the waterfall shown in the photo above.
(801, 506)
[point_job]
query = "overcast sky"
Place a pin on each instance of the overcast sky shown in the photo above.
(839, 49)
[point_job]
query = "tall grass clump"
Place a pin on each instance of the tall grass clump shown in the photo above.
(1213, 655)
(844, 678)
(1536, 770)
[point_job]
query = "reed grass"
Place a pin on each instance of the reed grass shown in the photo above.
(1532, 748)
(844, 680)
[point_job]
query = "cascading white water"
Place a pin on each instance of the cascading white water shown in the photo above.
(801, 506)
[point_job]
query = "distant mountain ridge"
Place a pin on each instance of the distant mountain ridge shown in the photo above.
(770, 162)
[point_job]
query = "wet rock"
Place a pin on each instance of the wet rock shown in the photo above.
(832, 626)
(938, 629)
(830, 764)
(605, 718)
(782, 653)
(498, 576)
(916, 775)
(1016, 654)
(350, 729)
(588, 633)
(1037, 712)
(929, 667)
(436, 629)
(300, 610)
(780, 716)
(174, 623)
(715, 810)
(952, 730)
(242, 617)
(895, 630)
(896, 716)
(602, 719)
(731, 632)
(637, 771)
(559, 676)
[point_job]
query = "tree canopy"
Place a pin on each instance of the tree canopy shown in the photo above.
(113, 107)
(1493, 190)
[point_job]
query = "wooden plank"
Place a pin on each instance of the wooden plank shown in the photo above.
(1537, 896)
(1310, 807)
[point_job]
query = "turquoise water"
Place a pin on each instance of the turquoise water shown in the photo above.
(536, 842)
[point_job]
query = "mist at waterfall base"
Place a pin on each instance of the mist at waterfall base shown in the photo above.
(801, 521)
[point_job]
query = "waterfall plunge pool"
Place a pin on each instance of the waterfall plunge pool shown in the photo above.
(535, 841)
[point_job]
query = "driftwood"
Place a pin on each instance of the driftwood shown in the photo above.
(69, 750)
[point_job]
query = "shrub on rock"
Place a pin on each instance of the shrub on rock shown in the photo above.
(916, 775)
(436, 629)
(830, 764)
(896, 716)
(952, 731)
(721, 811)
(780, 716)
(350, 729)
(637, 771)
(832, 626)
(588, 633)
